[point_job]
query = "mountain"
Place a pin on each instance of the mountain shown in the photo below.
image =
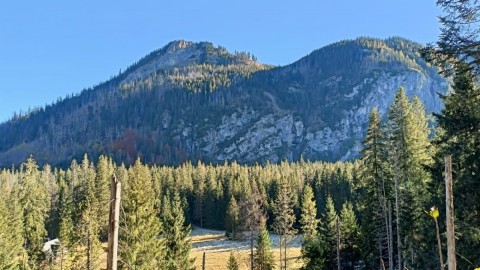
(197, 101)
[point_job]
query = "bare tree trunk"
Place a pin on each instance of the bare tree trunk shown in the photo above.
(89, 250)
(385, 217)
(113, 223)
(439, 243)
(397, 211)
(390, 236)
(285, 250)
(452, 261)
(280, 247)
(251, 250)
(338, 245)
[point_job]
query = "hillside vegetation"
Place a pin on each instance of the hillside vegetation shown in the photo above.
(195, 101)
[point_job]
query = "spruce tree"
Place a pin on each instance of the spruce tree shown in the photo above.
(252, 217)
(350, 235)
(376, 191)
(140, 227)
(284, 218)
(33, 198)
(309, 220)
(48, 177)
(12, 254)
(199, 193)
(232, 219)
(313, 253)
(175, 234)
(263, 258)
(104, 174)
(458, 135)
(411, 147)
(66, 226)
(88, 227)
(232, 262)
(456, 50)
(328, 233)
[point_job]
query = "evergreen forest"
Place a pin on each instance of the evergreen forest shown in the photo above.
(371, 211)
(382, 210)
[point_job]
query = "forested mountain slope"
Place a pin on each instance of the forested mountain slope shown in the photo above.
(197, 101)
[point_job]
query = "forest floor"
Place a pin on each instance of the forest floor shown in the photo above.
(217, 250)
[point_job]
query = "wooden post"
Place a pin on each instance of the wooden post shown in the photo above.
(113, 223)
(338, 245)
(204, 260)
(451, 260)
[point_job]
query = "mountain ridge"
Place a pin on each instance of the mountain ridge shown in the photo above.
(192, 101)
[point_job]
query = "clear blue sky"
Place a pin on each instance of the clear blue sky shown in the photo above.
(52, 48)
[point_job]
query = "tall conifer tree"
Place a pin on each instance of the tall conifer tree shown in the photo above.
(12, 254)
(328, 233)
(376, 191)
(411, 147)
(263, 258)
(284, 218)
(232, 218)
(309, 220)
(176, 233)
(140, 246)
(350, 235)
(33, 198)
(458, 135)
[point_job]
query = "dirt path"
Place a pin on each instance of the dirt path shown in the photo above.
(217, 249)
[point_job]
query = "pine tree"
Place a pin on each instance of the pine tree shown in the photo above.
(176, 233)
(48, 177)
(284, 218)
(139, 246)
(33, 198)
(263, 258)
(313, 253)
(232, 218)
(308, 218)
(458, 135)
(199, 192)
(88, 227)
(252, 217)
(66, 226)
(12, 254)
(350, 235)
(456, 50)
(328, 233)
(376, 191)
(410, 145)
(104, 174)
(232, 262)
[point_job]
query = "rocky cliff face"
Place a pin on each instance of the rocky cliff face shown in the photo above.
(190, 101)
(248, 135)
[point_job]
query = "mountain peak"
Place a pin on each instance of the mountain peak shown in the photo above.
(182, 53)
(195, 100)
(178, 44)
